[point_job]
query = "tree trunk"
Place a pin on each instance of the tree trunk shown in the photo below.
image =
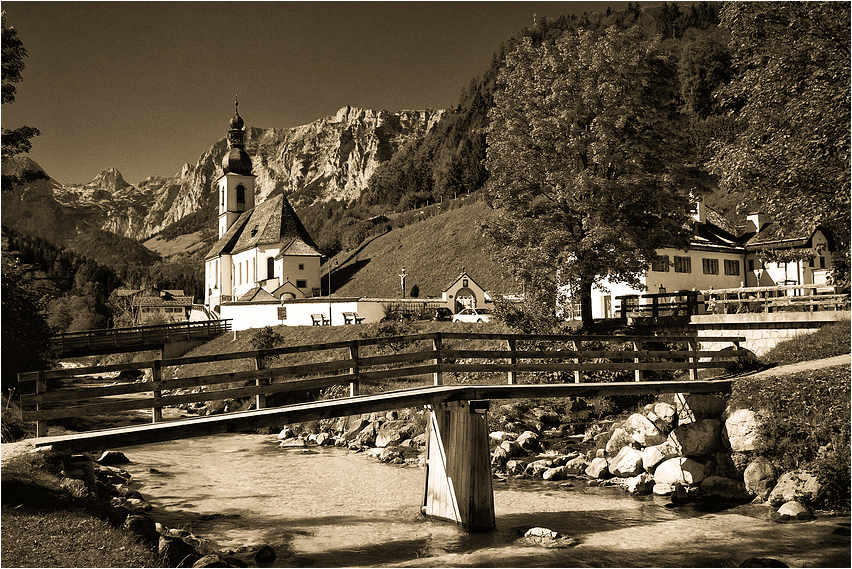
(586, 303)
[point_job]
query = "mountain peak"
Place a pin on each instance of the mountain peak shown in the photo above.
(110, 180)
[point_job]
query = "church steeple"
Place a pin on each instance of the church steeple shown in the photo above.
(236, 186)
(236, 161)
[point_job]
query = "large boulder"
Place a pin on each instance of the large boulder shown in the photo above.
(640, 484)
(726, 488)
(696, 438)
(663, 415)
(739, 432)
(693, 407)
(759, 478)
(175, 552)
(577, 465)
(652, 456)
(598, 468)
(619, 439)
(798, 485)
(795, 510)
(628, 462)
(680, 470)
(642, 430)
(513, 449)
(529, 441)
(393, 433)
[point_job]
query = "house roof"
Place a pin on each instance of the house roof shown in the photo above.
(256, 294)
(158, 301)
(270, 223)
(773, 236)
(463, 275)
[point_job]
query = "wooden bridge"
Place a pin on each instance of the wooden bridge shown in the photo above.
(458, 485)
(135, 338)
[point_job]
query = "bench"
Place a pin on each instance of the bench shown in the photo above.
(352, 318)
(320, 320)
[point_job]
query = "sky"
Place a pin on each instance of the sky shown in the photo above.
(145, 87)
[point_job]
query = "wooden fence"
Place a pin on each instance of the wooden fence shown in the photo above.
(785, 298)
(135, 338)
(430, 356)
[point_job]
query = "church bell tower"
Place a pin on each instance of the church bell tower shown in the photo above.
(236, 186)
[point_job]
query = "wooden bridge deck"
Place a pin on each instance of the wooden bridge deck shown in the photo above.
(134, 339)
(435, 395)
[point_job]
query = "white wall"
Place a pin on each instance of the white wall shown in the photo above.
(244, 316)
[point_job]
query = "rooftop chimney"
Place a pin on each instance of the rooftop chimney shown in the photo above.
(756, 221)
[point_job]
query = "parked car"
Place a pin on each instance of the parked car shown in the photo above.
(473, 315)
(441, 314)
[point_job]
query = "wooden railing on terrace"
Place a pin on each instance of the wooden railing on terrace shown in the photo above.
(135, 338)
(347, 363)
(809, 298)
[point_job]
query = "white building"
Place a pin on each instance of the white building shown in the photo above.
(263, 252)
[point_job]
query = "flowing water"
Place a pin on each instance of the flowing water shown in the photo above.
(326, 507)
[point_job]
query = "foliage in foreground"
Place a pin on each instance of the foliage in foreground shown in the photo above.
(43, 526)
(830, 340)
(805, 423)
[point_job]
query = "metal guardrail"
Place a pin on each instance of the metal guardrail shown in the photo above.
(134, 338)
(347, 363)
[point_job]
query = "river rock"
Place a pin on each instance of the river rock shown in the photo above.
(211, 561)
(142, 525)
(642, 430)
(619, 439)
(542, 533)
(499, 457)
(739, 432)
(798, 485)
(598, 468)
(576, 465)
(680, 470)
(652, 456)
(537, 467)
(112, 457)
(292, 443)
(393, 433)
(696, 438)
(557, 473)
(759, 478)
(515, 467)
(726, 488)
(642, 483)
(529, 441)
(368, 434)
(663, 415)
(265, 556)
(513, 449)
(628, 462)
(794, 510)
(175, 552)
(500, 436)
(693, 407)
(356, 425)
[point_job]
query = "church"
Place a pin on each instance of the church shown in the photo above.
(263, 253)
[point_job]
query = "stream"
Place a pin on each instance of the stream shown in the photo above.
(326, 507)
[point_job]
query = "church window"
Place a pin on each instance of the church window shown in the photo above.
(270, 267)
(241, 195)
(240, 268)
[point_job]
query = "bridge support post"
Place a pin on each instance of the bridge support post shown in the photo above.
(458, 465)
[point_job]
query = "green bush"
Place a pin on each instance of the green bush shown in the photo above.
(830, 340)
(804, 423)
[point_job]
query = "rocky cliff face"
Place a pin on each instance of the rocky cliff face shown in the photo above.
(332, 158)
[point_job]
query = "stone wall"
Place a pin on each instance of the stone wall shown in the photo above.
(762, 331)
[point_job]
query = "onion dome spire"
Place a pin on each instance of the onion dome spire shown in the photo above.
(236, 161)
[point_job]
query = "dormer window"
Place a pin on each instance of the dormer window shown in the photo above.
(254, 231)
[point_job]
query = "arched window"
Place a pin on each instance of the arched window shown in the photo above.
(241, 195)
(270, 267)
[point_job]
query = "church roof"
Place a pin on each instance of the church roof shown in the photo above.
(271, 223)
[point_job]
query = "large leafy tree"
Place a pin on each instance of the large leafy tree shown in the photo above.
(15, 141)
(790, 101)
(587, 162)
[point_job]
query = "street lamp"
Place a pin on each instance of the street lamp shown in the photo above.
(330, 269)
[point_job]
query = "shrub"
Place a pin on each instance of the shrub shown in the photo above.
(804, 423)
(830, 340)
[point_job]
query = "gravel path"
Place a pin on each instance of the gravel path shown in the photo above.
(803, 366)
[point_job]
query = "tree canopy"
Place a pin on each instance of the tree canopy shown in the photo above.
(15, 141)
(588, 161)
(790, 104)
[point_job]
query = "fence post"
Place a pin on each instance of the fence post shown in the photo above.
(355, 384)
(655, 306)
(638, 373)
(260, 398)
(156, 377)
(578, 374)
(693, 370)
(40, 387)
(511, 375)
(438, 345)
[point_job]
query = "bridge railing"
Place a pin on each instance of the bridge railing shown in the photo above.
(320, 366)
(110, 338)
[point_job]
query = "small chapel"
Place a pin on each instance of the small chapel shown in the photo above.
(263, 252)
